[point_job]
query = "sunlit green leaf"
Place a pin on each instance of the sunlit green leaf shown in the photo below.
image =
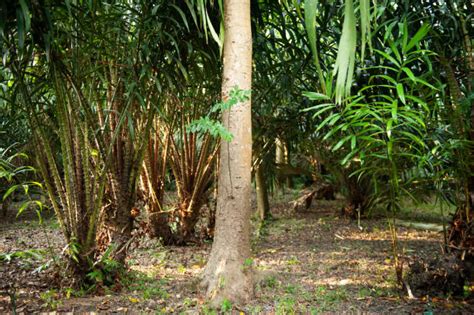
(344, 66)
(420, 34)
(401, 93)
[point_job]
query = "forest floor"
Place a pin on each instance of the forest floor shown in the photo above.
(306, 262)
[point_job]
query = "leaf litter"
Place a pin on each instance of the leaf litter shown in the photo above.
(305, 262)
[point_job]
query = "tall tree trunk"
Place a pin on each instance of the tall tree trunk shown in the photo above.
(263, 206)
(227, 274)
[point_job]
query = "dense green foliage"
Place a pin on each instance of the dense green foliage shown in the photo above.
(117, 104)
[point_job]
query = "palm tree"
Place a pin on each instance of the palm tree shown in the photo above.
(91, 78)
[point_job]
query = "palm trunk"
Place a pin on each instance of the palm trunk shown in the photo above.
(188, 217)
(118, 221)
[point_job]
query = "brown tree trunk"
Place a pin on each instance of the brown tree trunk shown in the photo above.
(263, 206)
(227, 274)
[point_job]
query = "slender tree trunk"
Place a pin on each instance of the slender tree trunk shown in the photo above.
(227, 274)
(263, 205)
(280, 161)
(289, 179)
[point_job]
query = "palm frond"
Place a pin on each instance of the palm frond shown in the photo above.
(344, 67)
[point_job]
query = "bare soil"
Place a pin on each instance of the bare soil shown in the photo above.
(307, 262)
